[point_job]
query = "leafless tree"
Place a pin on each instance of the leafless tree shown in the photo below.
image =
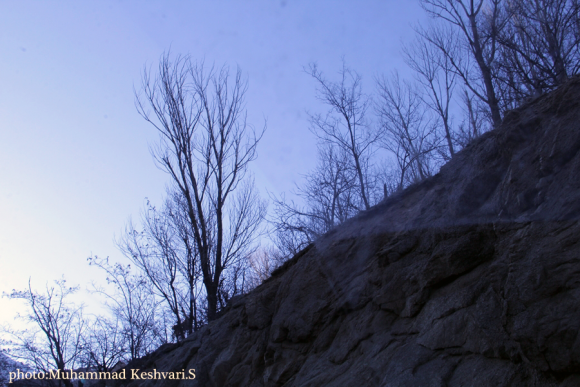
(473, 123)
(291, 239)
(478, 24)
(105, 344)
(329, 196)
(345, 125)
(435, 73)
(541, 45)
(262, 263)
(54, 339)
(188, 263)
(165, 253)
(205, 146)
(409, 131)
(131, 302)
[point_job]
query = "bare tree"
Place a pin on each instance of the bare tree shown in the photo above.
(478, 23)
(188, 263)
(541, 45)
(290, 236)
(409, 132)
(435, 73)
(345, 125)
(473, 123)
(54, 339)
(205, 146)
(165, 253)
(329, 196)
(105, 344)
(262, 263)
(132, 302)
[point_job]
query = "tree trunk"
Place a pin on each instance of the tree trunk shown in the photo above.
(492, 101)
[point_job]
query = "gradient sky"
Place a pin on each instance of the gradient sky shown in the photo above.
(74, 153)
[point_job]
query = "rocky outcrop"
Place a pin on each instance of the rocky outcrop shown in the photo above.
(471, 278)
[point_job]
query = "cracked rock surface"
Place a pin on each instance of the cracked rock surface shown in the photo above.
(471, 278)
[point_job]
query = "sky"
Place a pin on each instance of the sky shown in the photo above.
(74, 153)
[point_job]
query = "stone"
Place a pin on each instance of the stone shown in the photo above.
(470, 278)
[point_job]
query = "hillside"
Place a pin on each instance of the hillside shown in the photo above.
(471, 278)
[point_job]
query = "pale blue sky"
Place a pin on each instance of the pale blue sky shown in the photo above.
(74, 158)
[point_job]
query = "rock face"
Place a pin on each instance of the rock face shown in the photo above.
(471, 278)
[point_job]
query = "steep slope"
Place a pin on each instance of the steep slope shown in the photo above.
(471, 278)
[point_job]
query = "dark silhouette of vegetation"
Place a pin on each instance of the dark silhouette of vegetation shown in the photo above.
(205, 147)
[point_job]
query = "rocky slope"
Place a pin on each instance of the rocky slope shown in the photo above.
(471, 278)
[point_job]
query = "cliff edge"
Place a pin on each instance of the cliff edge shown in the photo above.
(471, 278)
